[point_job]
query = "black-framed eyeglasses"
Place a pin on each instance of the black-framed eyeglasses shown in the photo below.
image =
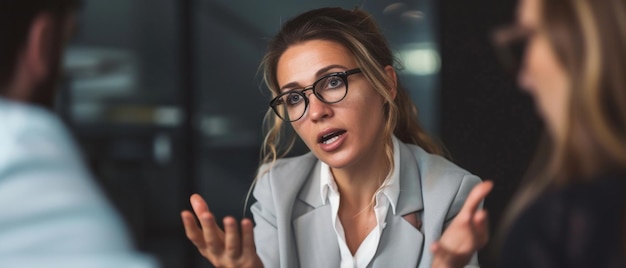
(511, 43)
(331, 88)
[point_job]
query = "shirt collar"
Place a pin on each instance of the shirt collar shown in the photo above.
(390, 187)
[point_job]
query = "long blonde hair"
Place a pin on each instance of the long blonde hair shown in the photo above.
(358, 32)
(589, 40)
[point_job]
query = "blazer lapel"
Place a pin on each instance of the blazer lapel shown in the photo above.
(316, 239)
(315, 236)
(310, 192)
(401, 244)
(438, 190)
(410, 198)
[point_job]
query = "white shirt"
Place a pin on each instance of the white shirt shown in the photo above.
(52, 213)
(387, 196)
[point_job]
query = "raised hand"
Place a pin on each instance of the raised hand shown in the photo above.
(228, 248)
(467, 233)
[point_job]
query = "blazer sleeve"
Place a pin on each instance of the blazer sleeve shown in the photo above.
(467, 184)
(265, 230)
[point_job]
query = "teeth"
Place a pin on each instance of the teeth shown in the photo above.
(331, 140)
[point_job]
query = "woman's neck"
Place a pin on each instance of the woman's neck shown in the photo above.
(357, 184)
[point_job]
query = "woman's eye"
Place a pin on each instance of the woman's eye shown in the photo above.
(333, 82)
(293, 99)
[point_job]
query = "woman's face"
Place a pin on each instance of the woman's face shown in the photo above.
(542, 74)
(346, 134)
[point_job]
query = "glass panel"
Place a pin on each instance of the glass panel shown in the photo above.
(122, 102)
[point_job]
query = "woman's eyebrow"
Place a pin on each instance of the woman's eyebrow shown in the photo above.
(319, 73)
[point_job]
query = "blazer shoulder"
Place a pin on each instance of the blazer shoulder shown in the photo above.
(437, 164)
(436, 172)
(287, 164)
(286, 175)
(443, 181)
(435, 161)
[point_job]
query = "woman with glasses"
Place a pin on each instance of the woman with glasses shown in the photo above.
(373, 191)
(572, 210)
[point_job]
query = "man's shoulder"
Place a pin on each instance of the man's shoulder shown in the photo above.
(19, 118)
(30, 134)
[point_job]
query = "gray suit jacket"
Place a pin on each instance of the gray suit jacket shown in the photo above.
(294, 228)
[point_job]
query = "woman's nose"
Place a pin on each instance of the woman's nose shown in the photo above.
(318, 110)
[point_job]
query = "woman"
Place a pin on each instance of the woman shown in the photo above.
(572, 211)
(372, 192)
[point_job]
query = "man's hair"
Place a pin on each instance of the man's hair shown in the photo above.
(16, 18)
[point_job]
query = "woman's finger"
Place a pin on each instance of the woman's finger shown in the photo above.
(481, 228)
(192, 230)
(441, 256)
(478, 193)
(232, 238)
(198, 204)
(247, 238)
(213, 235)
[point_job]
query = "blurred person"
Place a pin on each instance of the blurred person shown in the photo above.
(52, 214)
(374, 190)
(571, 212)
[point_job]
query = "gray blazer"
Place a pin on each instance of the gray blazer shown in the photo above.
(294, 229)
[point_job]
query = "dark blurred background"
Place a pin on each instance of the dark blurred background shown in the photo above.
(165, 99)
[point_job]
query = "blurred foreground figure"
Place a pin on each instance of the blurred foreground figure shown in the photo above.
(570, 55)
(571, 213)
(52, 214)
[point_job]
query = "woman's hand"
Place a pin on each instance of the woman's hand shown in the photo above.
(467, 233)
(228, 248)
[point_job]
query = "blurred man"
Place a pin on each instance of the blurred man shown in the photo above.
(51, 212)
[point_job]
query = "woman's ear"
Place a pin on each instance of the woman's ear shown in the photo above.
(393, 80)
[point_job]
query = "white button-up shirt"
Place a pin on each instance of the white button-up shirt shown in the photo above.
(386, 196)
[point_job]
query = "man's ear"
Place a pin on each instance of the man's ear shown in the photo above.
(393, 79)
(39, 46)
